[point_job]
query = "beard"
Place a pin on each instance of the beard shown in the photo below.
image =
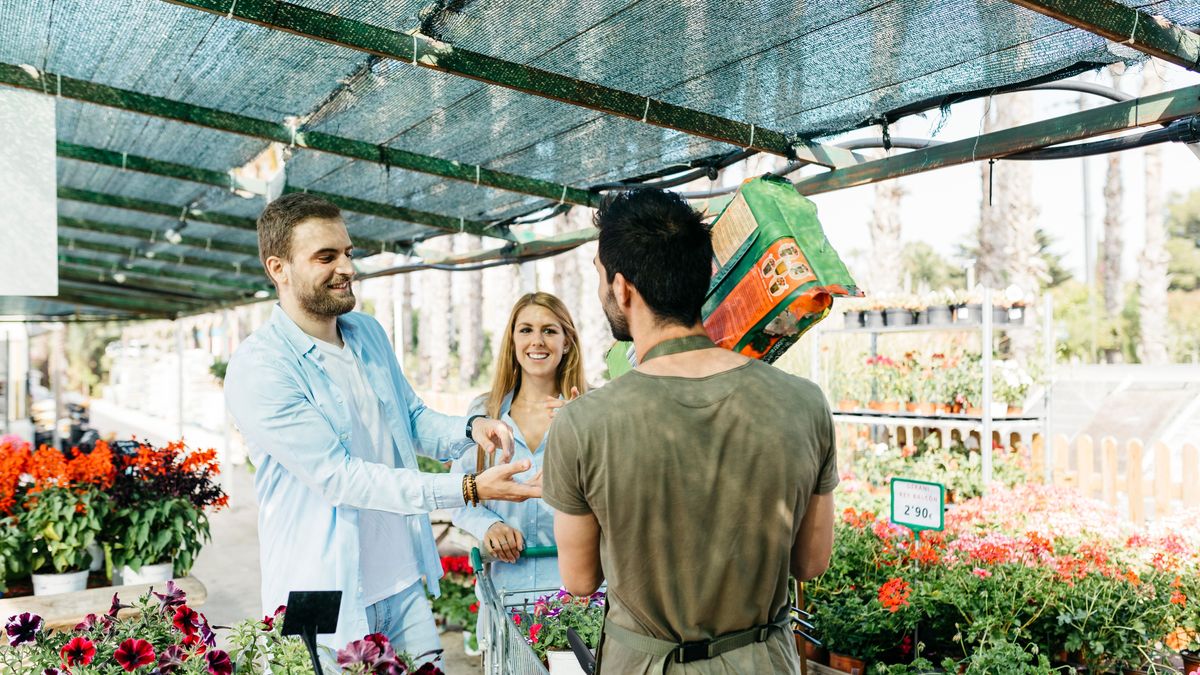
(617, 322)
(323, 302)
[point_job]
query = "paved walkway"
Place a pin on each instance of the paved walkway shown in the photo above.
(229, 566)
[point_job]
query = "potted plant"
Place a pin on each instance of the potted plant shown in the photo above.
(158, 523)
(939, 309)
(968, 307)
(900, 312)
(852, 312)
(545, 628)
(873, 314)
(457, 604)
(62, 523)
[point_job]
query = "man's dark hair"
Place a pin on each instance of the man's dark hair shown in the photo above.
(281, 216)
(661, 246)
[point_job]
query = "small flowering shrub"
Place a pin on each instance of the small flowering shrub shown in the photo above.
(167, 637)
(457, 603)
(545, 625)
(1024, 576)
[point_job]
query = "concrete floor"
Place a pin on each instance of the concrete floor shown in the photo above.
(229, 565)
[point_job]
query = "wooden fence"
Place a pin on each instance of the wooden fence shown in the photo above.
(1143, 483)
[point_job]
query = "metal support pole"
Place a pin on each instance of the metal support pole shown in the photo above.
(179, 376)
(1048, 342)
(985, 431)
(56, 367)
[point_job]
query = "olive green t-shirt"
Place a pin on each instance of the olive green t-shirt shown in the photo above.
(699, 486)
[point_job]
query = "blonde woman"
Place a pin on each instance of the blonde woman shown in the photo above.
(538, 366)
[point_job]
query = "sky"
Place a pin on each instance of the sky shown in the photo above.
(941, 207)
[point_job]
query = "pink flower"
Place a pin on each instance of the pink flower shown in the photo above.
(533, 633)
(981, 573)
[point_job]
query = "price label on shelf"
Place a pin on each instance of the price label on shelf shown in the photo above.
(918, 505)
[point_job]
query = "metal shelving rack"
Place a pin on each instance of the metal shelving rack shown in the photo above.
(987, 421)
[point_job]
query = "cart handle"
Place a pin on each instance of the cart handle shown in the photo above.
(529, 552)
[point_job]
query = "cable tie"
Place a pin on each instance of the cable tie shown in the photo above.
(183, 213)
(124, 160)
(229, 14)
(1136, 17)
(180, 258)
(153, 234)
(414, 59)
(208, 244)
(563, 198)
(751, 137)
(58, 85)
(646, 112)
(476, 175)
(461, 225)
(238, 266)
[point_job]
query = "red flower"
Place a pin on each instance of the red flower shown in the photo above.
(187, 620)
(78, 652)
(194, 643)
(981, 573)
(133, 654)
(474, 608)
(533, 632)
(218, 663)
(894, 594)
(516, 618)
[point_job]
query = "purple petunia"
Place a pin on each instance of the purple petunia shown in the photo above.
(171, 658)
(218, 663)
(23, 628)
(360, 651)
(174, 597)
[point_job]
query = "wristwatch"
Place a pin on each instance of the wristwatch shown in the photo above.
(470, 423)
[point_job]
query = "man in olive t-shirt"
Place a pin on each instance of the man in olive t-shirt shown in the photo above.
(694, 484)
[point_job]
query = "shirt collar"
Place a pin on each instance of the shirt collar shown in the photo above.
(300, 341)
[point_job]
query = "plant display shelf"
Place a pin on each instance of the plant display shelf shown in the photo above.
(986, 423)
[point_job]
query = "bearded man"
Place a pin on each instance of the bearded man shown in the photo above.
(334, 428)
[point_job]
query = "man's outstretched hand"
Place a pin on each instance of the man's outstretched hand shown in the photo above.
(497, 483)
(493, 435)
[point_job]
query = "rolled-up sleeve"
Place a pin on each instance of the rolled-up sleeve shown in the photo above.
(274, 413)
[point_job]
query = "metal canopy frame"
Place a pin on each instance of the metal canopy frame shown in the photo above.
(1144, 32)
(421, 50)
(190, 285)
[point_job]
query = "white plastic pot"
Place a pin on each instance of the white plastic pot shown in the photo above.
(564, 663)
(147, 574)
(52, 584)
(97, 554)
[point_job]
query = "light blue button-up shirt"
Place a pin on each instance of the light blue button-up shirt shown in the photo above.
(309, 484)
(532, 517)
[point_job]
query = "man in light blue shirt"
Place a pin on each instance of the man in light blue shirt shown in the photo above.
(334, 429)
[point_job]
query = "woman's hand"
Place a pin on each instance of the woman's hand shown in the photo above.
(553, 403)
(504, 542)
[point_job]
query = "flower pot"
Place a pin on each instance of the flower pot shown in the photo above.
(812, 652)
(847, 664)
(873, 318)
(898, 316)
(875, 405)
(941, 409)
(950, 496)
(999, 315)
(910, 406)
(853, 319)
(1191, 663)
(563, 663)
(972, 313)
(147, 574)
(1015, 410)
(890, 406)
(955, 408)
(847, 405)
(52, 584)
(974, 411)
(938, 315)
(97, 554)
(467, 648)
(926, 408)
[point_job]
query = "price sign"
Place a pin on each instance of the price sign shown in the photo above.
(918, 505)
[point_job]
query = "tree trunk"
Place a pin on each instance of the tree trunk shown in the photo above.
(1110, 260)
(435, 322)
(886, 264)
(989, 267)
(381, 294)
(470, 317)
(568, 270)
(1153, 279)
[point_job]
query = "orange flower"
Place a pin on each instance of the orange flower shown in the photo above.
(1178, 598)
(894, 594)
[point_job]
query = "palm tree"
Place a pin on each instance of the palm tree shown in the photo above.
(1153, 277)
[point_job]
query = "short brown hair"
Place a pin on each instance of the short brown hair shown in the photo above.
(281, 216)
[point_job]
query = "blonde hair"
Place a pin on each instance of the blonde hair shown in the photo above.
(508, 371)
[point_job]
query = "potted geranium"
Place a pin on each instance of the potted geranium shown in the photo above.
(457, 605)
(545, 627)
(158, 523)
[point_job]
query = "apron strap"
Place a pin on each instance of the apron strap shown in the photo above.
(687, 343)
(700, 650)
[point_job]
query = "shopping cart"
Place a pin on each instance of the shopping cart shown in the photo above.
(505, 651)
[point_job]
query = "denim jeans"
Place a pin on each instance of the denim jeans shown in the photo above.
(406, 619)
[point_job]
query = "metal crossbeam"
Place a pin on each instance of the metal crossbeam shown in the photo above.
(145, 104)
(132, 305)
(221, 284)
(89, 283)
(1153, 35)
(151, 235)
(140, 281)
(427, 52)
(66, 244)
(198, 215)
(227, 180)
(1139, 112)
